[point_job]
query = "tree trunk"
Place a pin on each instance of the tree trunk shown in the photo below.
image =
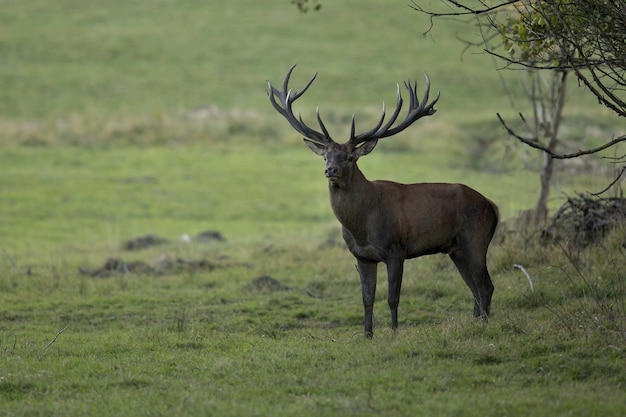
(556, 101)
(541, 208)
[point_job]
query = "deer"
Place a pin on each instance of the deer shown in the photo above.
(389, 222)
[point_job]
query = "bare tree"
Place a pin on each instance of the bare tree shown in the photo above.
(547, 97)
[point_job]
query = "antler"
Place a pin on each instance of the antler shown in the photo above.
(286, 98)
(416, 111)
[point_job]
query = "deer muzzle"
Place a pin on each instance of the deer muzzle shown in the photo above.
(330, 172)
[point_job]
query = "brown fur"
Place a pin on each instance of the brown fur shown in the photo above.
(384, 221)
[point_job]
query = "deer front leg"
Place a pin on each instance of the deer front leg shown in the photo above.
(367, 274)
(395, 269)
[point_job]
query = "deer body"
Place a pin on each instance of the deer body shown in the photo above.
(384, 221)
(421, 222)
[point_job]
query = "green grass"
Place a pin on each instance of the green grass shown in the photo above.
(208, 343)
(120, 119)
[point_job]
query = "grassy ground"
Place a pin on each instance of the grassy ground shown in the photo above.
(122, 119)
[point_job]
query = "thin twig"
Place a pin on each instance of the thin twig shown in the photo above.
(55, 337)
(466, 10)
(530, 280)
(611, 184)
(10, 259)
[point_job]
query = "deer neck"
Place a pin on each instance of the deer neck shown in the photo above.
(352, 199)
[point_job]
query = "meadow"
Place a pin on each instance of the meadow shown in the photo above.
(127, 119)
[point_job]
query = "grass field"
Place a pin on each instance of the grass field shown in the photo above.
(123, 119)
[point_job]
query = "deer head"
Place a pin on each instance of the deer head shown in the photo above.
(341, 158)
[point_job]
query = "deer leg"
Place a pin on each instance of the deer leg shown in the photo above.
(483, 284)
(473, 269)
(486, 291)
(482, 280)
(471, 259)
(463, 265)
(367, 274)
(395, 269)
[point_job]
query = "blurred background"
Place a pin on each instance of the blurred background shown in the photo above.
(118, 115)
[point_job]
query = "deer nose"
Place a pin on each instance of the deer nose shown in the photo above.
(330, 172)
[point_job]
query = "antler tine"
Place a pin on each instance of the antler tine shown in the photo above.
(319, 121)
(430, 107)
(396, 112)
(286, 98)
(356, 139)
(416, 111)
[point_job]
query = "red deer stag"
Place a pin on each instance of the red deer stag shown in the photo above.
(384, 221)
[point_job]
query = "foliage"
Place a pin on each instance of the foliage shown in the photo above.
(568, 33)
(579, 35)
(525, 33)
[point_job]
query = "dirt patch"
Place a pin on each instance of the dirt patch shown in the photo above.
(114, 266)
(150, 240)
(143, 242)
(164, 265)
(267, 284)
(210, 236)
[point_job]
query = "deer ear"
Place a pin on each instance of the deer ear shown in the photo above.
(364, 149)
(318, 148)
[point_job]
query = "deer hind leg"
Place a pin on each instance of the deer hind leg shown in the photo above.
(395, 269)
(367, 274)
(473, 269)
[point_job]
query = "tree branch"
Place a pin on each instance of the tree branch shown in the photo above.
(466, 9)
(56, 337)
(555, 155)
(608, 187)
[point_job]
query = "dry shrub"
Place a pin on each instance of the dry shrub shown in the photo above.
(585, 220)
